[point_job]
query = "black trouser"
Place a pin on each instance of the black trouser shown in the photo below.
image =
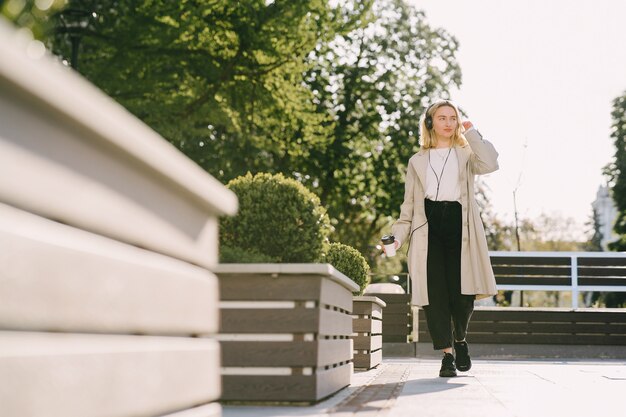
(446, 303)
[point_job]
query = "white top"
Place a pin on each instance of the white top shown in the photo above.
(443, 174)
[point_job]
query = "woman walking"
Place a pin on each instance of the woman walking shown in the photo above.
(448, 257)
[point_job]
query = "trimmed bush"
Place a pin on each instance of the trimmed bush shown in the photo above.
(230, 254)
(278, 217)
(349, 262)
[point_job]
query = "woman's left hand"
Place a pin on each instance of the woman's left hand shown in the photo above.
(467, 125)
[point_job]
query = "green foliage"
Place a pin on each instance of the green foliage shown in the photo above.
(617, 171)
(229, 254)
(278, 217)
(221, 80)
(594, 244)
(327, 92)
(617, 175)
(31, 14)
(374, 82)
(609, 299)
(350, 262)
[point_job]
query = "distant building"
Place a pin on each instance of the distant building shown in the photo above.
(606, 211)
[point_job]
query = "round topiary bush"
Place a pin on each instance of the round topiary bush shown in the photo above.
(229, 255)
(349, 262)
(278, 217)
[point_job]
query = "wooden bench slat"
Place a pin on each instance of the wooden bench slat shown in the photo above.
(397, 329)
(544, 315)
(532, 270)
(601, 261)
(549, 317)
(395, 338)
(507, 280)
(393, 298)
(396, 319)
(547, 339)
(395, 308)
(598, 281)
(475, 337)
(602, 272)
(514, 260)
(565, 328)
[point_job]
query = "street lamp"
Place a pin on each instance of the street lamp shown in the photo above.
(73, 22)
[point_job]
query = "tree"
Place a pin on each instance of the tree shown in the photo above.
(31, 14)
(594, 244)
(617, 171)
(221, 80)
(617, 178)
(327, 92)
(374, 83)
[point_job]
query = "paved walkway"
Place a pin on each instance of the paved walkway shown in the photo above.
(492, 388)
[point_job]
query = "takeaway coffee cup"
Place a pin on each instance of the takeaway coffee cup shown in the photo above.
(389, 243)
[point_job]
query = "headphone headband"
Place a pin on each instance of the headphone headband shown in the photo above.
(428, 118)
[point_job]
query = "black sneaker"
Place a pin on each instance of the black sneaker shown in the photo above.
(463, 360)
(447, 366)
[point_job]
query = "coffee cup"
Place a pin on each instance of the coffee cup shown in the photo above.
(389, 241)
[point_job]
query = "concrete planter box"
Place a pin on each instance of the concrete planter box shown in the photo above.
(285, 331)
(367, 328)
(107, 238)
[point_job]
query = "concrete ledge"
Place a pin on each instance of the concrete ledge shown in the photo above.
(513, 351)
(58, 278)
(81, 375)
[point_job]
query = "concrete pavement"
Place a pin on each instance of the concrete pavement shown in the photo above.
(492, 388)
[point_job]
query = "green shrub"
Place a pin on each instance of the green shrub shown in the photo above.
(278, 217)
(350, 262)
(229, 254)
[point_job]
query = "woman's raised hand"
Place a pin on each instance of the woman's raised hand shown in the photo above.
(467, 125)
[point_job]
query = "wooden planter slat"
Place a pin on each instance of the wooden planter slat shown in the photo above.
(285, 320)
(368, 326)
(368, 342)
(368, 360)
(396, 308)
(286, 354)
(368, 323)
(368, 309)
(297, 388)
(245, 287)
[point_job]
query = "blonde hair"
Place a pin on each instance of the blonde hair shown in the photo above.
(427, 137)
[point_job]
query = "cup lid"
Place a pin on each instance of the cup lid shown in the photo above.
(387, 239)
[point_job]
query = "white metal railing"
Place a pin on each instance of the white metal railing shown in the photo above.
(574, 287)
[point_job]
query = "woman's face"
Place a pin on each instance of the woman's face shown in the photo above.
(445, 122)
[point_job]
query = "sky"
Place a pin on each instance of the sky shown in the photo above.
(539, 78)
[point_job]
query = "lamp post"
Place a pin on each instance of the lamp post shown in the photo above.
(73, 22)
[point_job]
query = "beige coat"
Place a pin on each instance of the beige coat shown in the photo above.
(480, 157)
